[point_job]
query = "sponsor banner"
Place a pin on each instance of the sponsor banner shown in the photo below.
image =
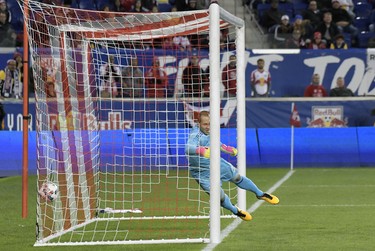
(270, 114)
(311, 113)
(290, 73)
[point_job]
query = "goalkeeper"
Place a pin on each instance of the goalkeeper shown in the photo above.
(198, 151)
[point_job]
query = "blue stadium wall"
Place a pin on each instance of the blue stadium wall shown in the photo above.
(268, 133)
(266, 147)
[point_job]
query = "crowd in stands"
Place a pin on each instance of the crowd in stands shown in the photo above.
(336, 24)
(352, 19)
(11, 16)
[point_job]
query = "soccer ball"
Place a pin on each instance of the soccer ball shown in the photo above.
(49, 191)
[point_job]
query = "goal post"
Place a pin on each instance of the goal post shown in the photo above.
(217, 14)
(114, 108)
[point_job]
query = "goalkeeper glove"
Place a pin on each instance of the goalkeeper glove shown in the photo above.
(229, 149)
(203, 151)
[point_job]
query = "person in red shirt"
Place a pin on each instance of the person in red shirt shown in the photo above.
(315, 89)
(229, 77)
(317, 42)
(156, 81)
(194, 78)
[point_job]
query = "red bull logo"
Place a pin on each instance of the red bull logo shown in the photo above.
(327, 116)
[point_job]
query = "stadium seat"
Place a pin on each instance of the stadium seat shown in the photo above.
(286, 8)
(348, 39)
(358, 1)
(17, 16)
(364, 37)
(361, 23)
(261, 8)
(362, 9)
(12, 3)
(164, 7)
(299, 7)
(87, 4)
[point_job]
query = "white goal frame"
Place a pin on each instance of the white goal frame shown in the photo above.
(217, 14)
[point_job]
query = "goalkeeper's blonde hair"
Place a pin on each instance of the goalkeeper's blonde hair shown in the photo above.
(203, 114)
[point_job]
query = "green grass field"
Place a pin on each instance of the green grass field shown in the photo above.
(320, 209)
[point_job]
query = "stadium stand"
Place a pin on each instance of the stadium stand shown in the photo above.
(362, 9)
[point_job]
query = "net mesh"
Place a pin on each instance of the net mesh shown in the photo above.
(116, 96)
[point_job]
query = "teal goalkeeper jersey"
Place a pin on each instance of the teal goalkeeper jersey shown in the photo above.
(197, 138)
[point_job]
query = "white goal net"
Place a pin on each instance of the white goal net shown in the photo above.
(116, 96)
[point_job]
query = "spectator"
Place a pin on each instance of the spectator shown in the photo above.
(202, 4)
(50, 89)
(348, 6)
(272, 17)
(2, 80)
(339, 43)
(328, 28)
(132, 80)
(106, 8)
(138, 7)
(118, 7)
(304, 26)
(48, 75)
(260, 80)
(182, 43)
(313, 14)
(193, 78)
(282, 32)
(123, 5)
(156, 81)
(174, 8)
(315, 88)
(317, 42)
(206, 86)
(340, 90)
(155, 9)
(167, 43)
(192, 5)
(2, 117)
(296, 41)
(110, 76)
(229, 77)
(343, 20)
(324, 5)
(181, 5)
(4, 8)
(148, 4)
(19, 64)
(12, 85)
(7, 35)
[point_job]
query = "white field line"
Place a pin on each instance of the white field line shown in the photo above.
(253, 207)
(324, 186)
(326, 205)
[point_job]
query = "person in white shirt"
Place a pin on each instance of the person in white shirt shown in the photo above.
(110, 76)
(260, 80)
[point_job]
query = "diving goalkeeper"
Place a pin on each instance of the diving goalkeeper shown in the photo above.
(198, 151)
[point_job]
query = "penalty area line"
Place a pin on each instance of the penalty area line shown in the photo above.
(254, 207)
